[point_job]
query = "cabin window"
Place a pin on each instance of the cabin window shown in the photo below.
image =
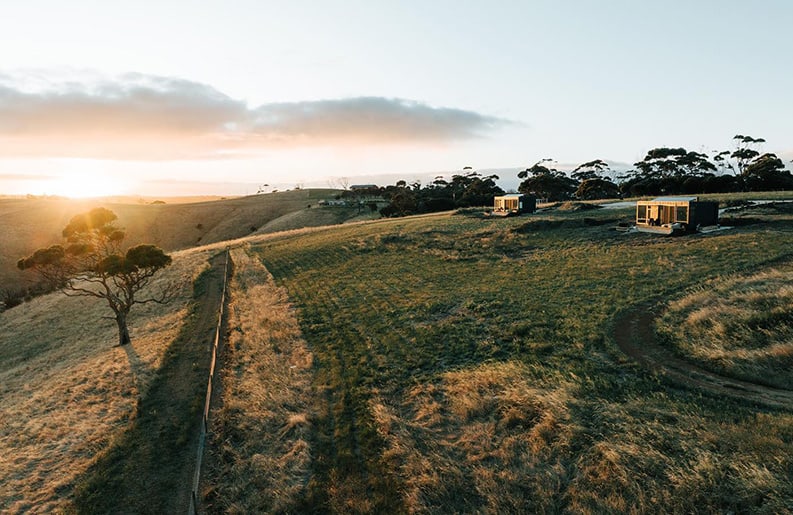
(641, 213)
(682, 214)
(668, 212)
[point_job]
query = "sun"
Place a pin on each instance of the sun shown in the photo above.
(83, 186)
(86, 183)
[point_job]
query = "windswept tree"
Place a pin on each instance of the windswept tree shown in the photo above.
(752, 170)
(591, 170)
(746, 151)
(594, 181)
(473, 189)
(546, 182)
(92, 264)
(597, 188)
(402, 200)
(767, 172)
(665, 163)
(669, 170)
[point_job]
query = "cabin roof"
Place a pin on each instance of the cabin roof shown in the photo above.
(511, 195)
(675, 199)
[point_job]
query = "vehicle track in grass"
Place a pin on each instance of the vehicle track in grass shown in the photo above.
(635, 336)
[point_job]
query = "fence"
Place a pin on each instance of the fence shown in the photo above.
(205, 417)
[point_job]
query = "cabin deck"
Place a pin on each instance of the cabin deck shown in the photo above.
(666, 229)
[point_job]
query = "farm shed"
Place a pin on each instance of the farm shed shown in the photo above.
(669, 215)
(514, 204)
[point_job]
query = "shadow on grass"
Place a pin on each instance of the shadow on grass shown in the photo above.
(149, 468)
(136, 366)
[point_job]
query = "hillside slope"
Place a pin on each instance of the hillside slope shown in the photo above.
(28, 224)
(66, 392)
(443, 363)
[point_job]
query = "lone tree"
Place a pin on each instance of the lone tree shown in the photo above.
(91, 264)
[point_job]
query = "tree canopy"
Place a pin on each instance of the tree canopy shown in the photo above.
(466, 189)
(93, 264)
(590, 170)
(767, 172)
(546, 182)
(663, 171)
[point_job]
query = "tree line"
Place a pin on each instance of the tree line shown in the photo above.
(663, 171)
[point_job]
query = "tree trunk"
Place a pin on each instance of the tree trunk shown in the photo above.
(123, 332)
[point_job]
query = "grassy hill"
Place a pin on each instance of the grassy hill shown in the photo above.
(66, 393)
(444, 363)
(28, 224)
(469, 365)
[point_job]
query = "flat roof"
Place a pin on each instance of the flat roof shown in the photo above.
(511, 195)
(675, 199)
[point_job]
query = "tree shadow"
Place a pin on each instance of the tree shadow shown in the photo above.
(149, 466)
(137, 367)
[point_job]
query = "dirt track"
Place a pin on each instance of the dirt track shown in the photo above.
(634, 335)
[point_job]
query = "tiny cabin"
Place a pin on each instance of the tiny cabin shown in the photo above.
(673, 215)
(514, 204)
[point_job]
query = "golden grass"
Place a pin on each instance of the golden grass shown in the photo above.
(259, 455)
(65, 389)
(650, 459)
(28, 224)
(478, 352)
(470, 440)
(739, 325)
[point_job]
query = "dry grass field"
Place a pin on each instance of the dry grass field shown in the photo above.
(467, 365)
(66, 390)
(260, 459)
(28, 224)
(739, 326)
(437, 364)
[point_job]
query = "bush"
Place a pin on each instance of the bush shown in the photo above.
(11, 298)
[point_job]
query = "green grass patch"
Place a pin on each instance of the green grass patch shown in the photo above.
(413, 321)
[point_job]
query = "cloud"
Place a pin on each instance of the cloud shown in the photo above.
(147, 117)
(370, 119)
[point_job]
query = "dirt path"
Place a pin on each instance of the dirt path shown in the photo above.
(634, 335)
(149, 468)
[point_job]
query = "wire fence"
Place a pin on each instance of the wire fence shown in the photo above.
(210, 383)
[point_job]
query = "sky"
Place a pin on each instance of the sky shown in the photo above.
(224, 97)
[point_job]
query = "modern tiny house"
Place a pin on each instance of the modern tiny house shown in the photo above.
(514, 204)
(669, 215)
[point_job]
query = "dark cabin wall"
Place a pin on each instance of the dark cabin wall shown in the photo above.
(704, 213)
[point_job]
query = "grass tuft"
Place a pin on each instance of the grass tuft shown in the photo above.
(738, 325)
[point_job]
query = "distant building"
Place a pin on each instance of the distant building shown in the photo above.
(357, 187)
(514, 204)
(332, 202)
(669, 215)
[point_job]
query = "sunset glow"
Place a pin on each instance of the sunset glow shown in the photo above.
(83, 180)
(279, 95)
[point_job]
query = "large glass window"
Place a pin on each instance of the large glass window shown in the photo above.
(641, 213)
(682, 214)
